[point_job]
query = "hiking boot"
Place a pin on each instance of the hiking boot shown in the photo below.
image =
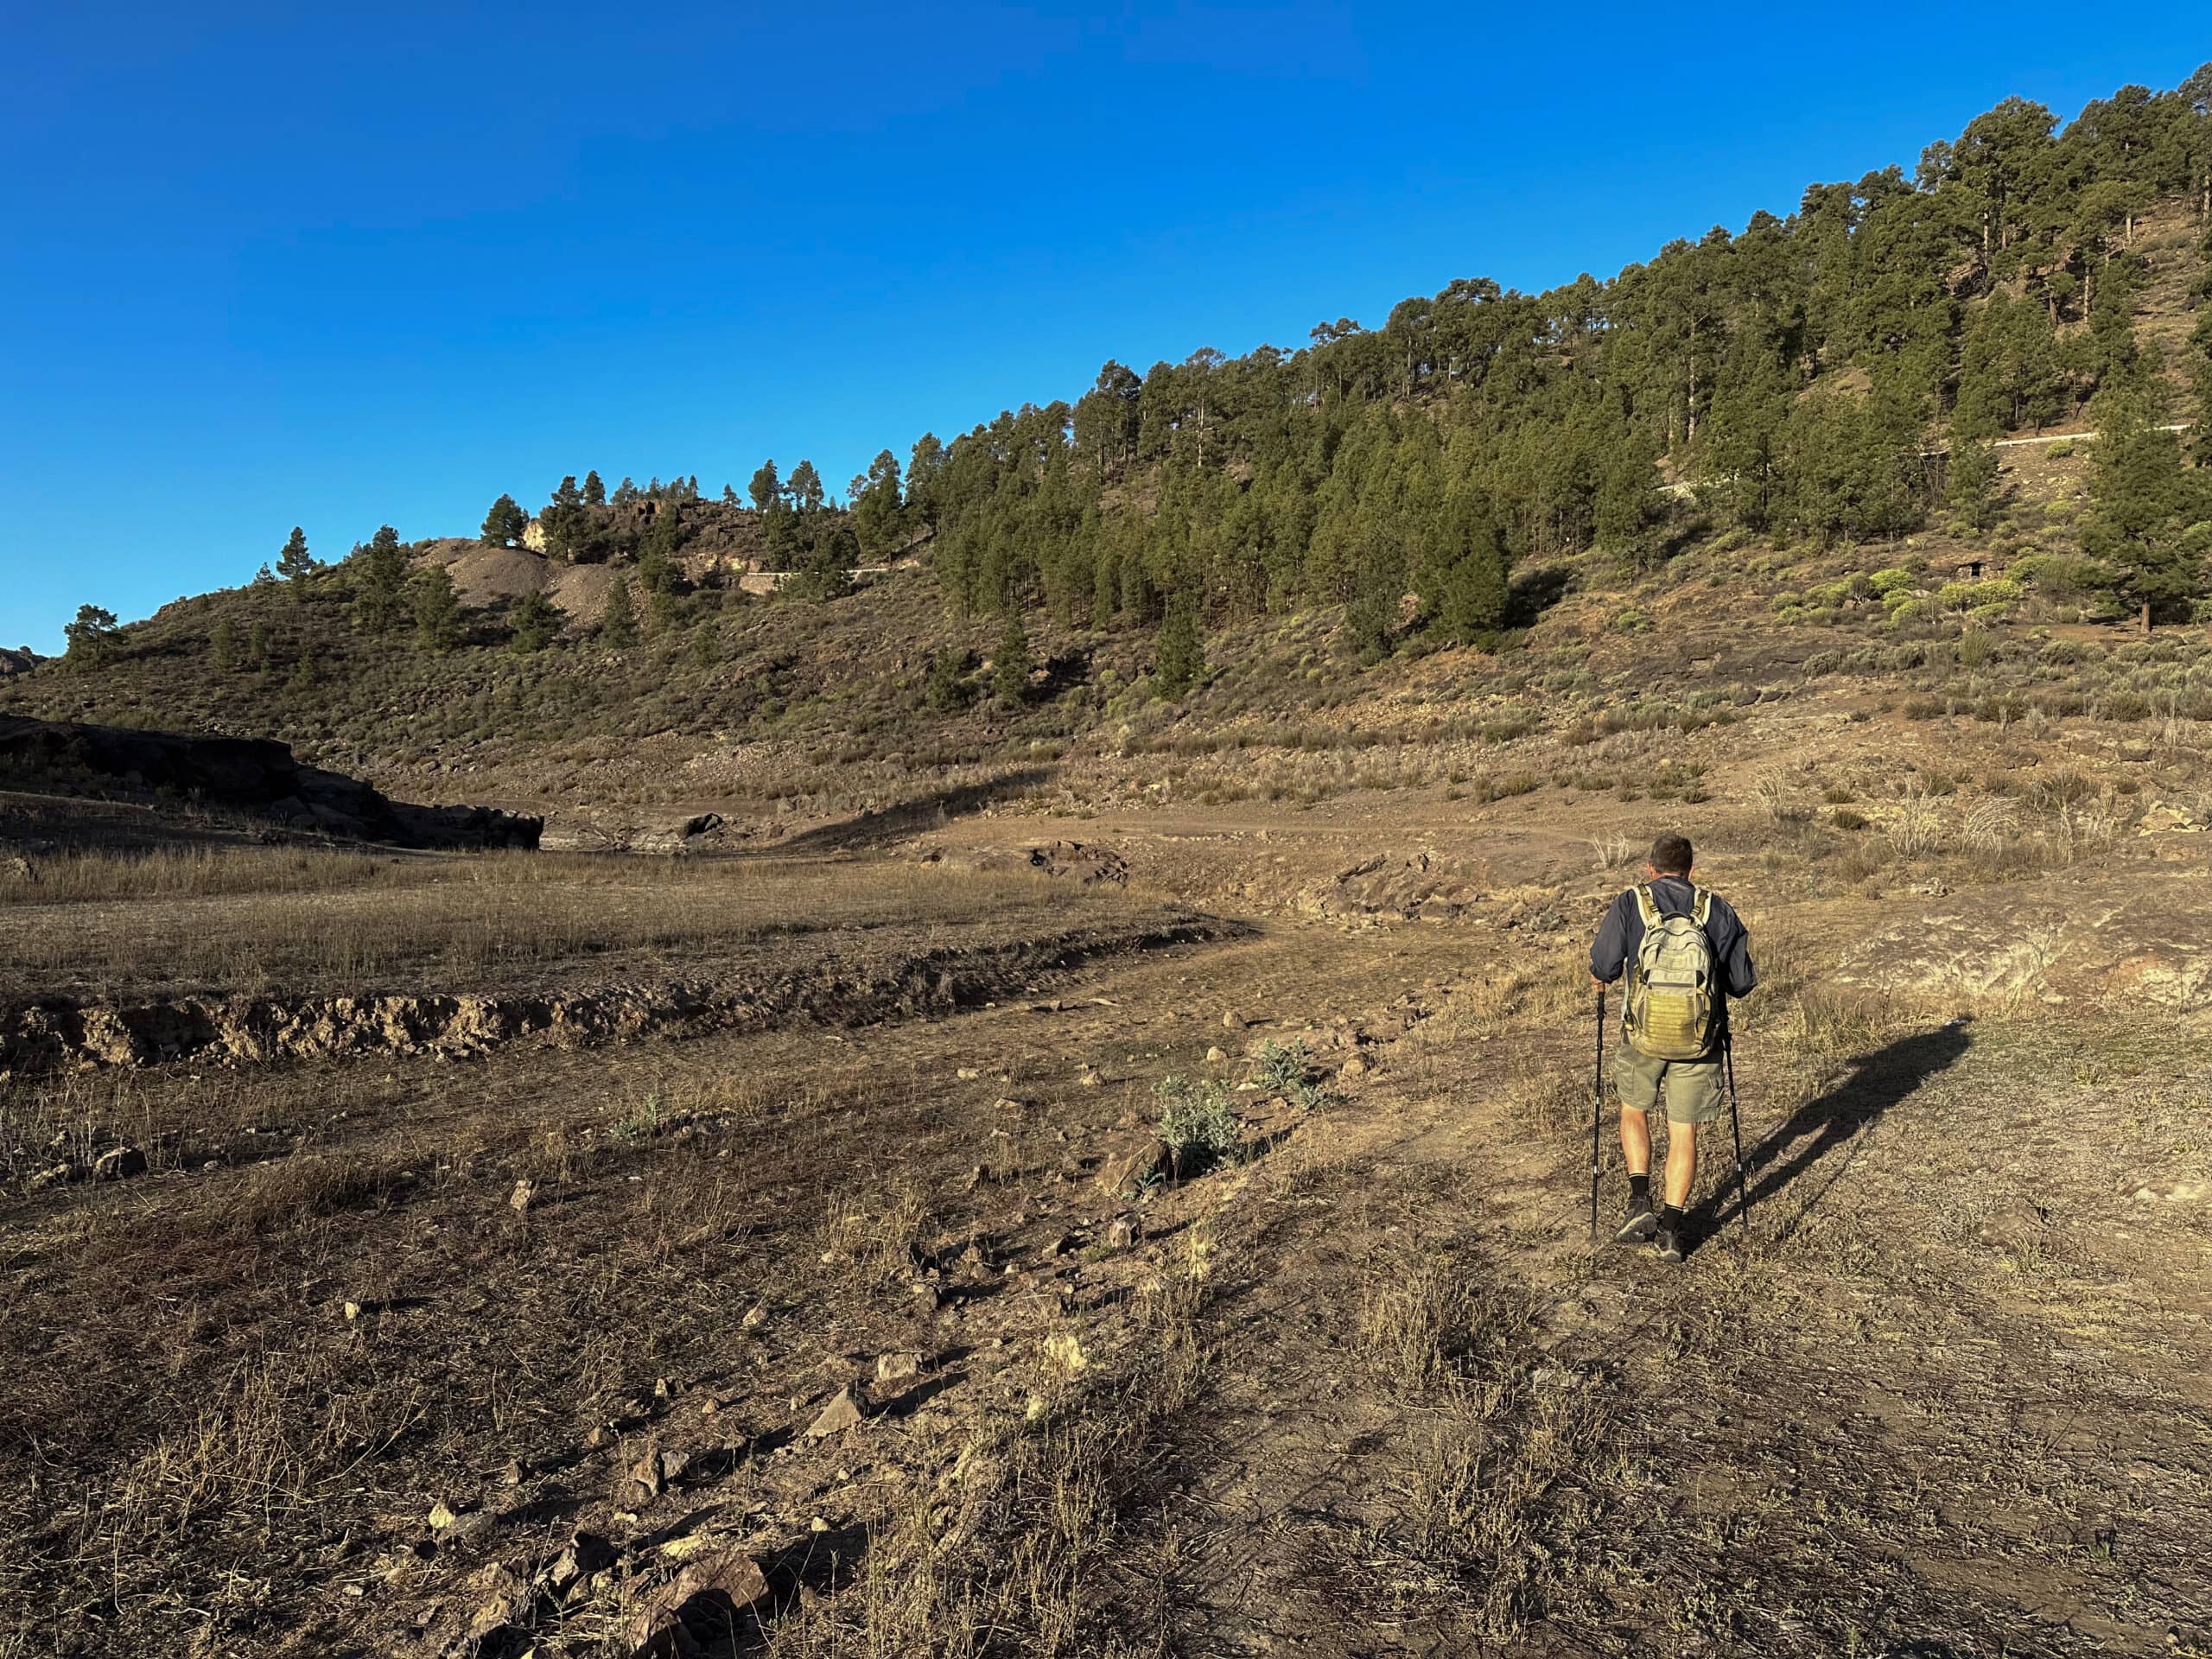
(1640, 1225)
(1671, 1229)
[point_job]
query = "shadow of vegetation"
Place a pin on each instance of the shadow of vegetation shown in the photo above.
(1875, 1083)
(1534, 592)
(874, 829)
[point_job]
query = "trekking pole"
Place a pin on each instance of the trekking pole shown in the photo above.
(1736, 1129)
(1598, 1113)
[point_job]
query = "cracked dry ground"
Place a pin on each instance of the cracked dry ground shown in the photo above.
(1370, 1393)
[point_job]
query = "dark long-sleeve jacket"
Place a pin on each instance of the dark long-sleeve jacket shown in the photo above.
(1621, 935)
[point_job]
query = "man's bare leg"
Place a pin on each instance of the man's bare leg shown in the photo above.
(1681, 1173)
(1635, 1142)
(1682, 1163)
(1635, 1153)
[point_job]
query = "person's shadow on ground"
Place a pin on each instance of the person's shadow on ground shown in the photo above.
(1875, 1083)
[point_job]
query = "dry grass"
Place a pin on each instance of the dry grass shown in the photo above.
(278, 921)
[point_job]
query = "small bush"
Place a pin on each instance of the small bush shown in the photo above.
(1198, 1123)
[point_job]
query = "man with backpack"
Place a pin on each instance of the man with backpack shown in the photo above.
(1686, 952)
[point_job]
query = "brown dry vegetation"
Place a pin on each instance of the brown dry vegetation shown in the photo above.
(1365, 1387)
(1368, 1389)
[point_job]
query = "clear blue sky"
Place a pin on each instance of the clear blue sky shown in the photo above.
(339, 266)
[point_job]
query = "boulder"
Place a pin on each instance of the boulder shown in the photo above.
(898, 1368)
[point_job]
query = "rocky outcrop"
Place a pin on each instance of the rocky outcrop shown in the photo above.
(57, 1032)
(254, 776)
(21, 660)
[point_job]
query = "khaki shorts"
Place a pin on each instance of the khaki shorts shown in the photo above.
(1692, 1087)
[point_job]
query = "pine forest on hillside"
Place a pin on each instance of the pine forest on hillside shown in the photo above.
(1838, 375)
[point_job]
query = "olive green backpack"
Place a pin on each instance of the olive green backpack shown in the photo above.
(1674, 1007)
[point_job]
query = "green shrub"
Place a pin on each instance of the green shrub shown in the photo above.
(1198, 1123)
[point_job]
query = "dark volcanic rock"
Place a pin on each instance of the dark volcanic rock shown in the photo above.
(255, 776)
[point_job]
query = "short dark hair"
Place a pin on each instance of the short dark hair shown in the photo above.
(1671, 854)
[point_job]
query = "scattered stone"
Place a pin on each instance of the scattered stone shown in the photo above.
(2012, 1225)
(522, 1197)
(353, 1311)
(118, 1164)
(596, 1436)
(467, 1530)
(1231, 1022)
(586, 1553)
(1354, 1067)
(756, 1316)
(514, 1474)
(1088, 1078)
(1215, 1055)
(1065, 1244)
(1124, 1233)
(442, 1515)
(818, 1524)
(967, 1074)
(898, 1368)
(502, 1596)
(727, 1579)
(1133, 1172)
(1064, 1349)
(651, 1470)
(848, 1410)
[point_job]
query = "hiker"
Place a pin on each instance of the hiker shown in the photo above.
(1686, 953)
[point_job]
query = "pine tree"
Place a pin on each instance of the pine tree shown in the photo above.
(505, 522)
(296, 565)
(878, 513)
(945, 688)
(803, 487)
(594, 490)
(1010, 667)
(379, 595)
(1180, 650)
(438, 610)
(2200, 370)
(618, 624)
(91, 637)
(537, 624)
(1971, 486)
(2137, 501)
(766, 486)
(224, 644)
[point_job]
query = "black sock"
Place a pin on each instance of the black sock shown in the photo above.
(1639, 1192)
(1672, 1216)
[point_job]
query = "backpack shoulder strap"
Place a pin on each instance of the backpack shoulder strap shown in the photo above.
(1700, 905)
(1646, 905)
